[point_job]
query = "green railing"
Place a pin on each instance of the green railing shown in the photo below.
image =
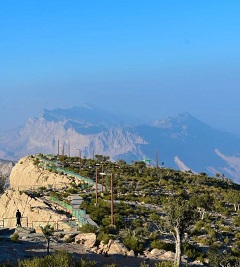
(54, 167)
(79, 214)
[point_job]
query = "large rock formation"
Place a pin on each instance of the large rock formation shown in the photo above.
(34, 211)
(25, 174)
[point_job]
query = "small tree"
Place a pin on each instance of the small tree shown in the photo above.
(179, 215)
(47, 231)
(204, 203)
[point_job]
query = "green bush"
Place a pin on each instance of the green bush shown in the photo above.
(88, 228)
(237, 221)
(14, 237)
(84, 263)
(133, 243)
(103, 237)
(190, 251)
(159, 244)
(59, 258)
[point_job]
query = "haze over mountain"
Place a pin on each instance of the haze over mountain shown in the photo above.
(181, 142)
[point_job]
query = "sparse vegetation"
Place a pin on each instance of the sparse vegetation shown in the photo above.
(156, 207)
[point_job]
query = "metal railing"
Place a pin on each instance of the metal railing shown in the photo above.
(11, 222)
(59, 225)
(79, 214)
(36, 187)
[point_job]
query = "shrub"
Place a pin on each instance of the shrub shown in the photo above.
(133, 243)
(88, 228)
(103, 237)
(190, 251)
(85, 263)
(237, 221)
(59, 258)
(159, 244)
(14, 237)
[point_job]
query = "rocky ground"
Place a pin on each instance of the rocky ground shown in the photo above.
(32, 244)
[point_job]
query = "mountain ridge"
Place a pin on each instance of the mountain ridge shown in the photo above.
(180, 141)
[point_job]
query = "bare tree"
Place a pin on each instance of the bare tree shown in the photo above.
(180, 214)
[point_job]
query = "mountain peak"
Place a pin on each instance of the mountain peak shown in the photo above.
(83, 114)
(181, 119)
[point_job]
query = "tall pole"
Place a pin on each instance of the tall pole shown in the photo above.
(80, 159)
(57, 146)
(63, 154)
(102, 178)
(157, 159)
(112, 216)
(69, 149)
(96, 185)
(80, 152)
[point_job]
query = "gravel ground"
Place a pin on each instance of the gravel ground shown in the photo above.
(31, 247)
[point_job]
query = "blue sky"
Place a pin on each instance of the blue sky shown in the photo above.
(150, 59)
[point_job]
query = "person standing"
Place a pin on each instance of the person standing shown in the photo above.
(18, 217)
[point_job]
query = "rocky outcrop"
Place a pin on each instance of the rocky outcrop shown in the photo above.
(25, 174)
(86, 239)
(113, 247)
(34, 211)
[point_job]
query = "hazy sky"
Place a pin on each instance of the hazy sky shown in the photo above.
(144, 58)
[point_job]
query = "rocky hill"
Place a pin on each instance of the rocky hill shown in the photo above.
(25, 176)
(144, 198)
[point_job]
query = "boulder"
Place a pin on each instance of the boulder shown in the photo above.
(116, 247)
(86, 239)
(169, 255)
(131, 253)
(157, 252)
(196, 263)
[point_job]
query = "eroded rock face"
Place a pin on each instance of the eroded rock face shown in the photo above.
(113, 247)
(34, 212)
(87, 239)
(116, 247)
(25, 175)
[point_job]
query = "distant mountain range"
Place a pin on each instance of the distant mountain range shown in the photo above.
(181, 142)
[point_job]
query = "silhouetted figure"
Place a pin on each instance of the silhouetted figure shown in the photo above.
(18, 216)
